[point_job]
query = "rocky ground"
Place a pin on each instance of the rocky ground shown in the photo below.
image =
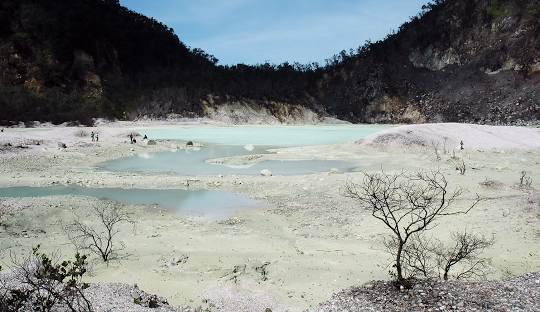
(127, 298)
(518, 294)
(310, 242)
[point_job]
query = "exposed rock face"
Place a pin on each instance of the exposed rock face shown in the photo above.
(250, 112)
(433, 59)
(474, 60)
(85, 71)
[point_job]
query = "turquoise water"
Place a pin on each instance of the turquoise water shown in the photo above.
(193, 162)
(223, 142)
(267, 135)
(213, 205)
(229, 141)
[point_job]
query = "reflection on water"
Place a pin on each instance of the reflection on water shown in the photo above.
(213, 205)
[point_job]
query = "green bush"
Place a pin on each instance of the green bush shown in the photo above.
(41, 283)
(499, 9)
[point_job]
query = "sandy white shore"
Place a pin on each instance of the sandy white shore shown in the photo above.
(311, 240)
(452, 134)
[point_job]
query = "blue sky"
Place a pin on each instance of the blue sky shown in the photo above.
(255, 31)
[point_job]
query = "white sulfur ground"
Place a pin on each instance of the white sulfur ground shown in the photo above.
(311, 241)
(451, 134)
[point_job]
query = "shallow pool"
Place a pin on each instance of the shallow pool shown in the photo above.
(212, 205)
(193, 162)
(267, 135)
(230, 141)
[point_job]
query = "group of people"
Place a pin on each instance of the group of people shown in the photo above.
(133, 140)
(94, 136)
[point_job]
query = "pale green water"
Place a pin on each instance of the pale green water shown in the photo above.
(229, 141)
(213, 205)
(267, 135)
(224, 142)
(193, 163)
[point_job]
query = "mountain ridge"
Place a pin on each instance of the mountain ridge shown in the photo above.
(450, 63)
(467, 61)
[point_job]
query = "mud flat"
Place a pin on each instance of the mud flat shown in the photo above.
(306, 244)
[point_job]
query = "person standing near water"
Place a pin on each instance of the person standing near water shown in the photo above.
(92, 136)
(97, 137)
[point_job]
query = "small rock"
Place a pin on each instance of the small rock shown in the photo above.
(266, 173)
(151, 142)
(62, 145)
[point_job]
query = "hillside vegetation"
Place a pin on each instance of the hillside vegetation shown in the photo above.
(460, 60)
(75, 59)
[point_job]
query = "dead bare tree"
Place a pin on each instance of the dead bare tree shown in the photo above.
(100, 238)
(408, 204)
(525, 181)
(435, 147)
(430, 258)
(465, 253)
(454, 157)
(418, 256)
(445, 149)
(460, 166)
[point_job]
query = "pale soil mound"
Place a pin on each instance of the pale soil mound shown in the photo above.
(518, 294)
(451, 134)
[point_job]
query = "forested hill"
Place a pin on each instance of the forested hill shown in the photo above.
(458, 60)
(67, 60)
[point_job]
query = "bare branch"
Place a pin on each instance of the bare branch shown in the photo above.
(460, 166)
(408, 204)
(464, 254)
(418, 257)
(525, 181)
(100, 237)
